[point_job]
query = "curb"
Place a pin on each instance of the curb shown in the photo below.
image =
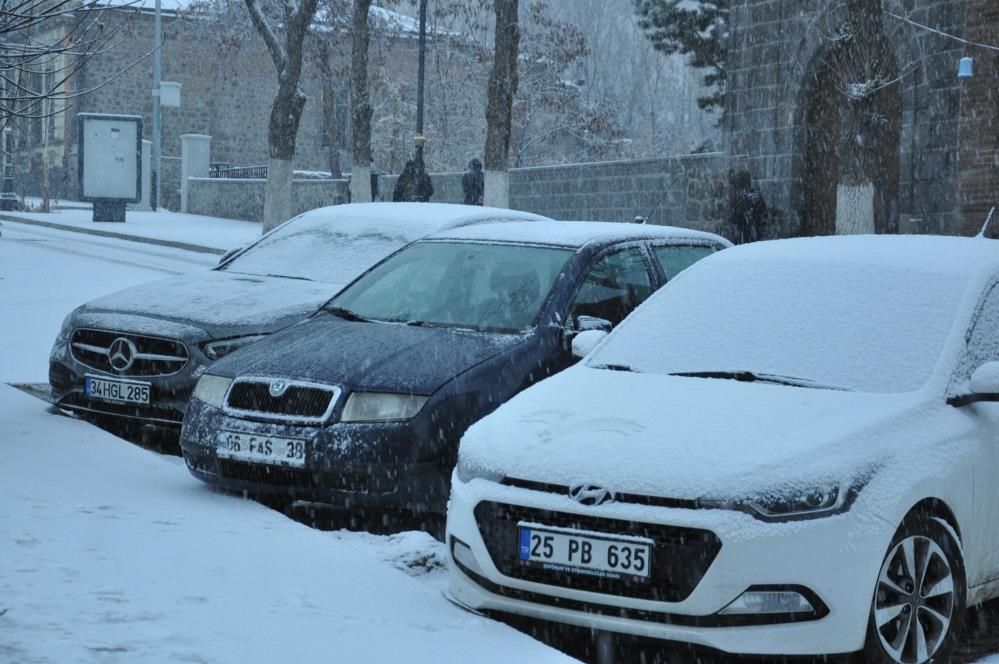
(117, 236)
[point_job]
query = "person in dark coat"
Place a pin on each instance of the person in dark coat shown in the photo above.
(749, 213)
(473, 183)
(403, 192)
(407, 189)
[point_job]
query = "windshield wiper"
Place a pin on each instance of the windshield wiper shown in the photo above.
(615, 367)
(753, 377)
(346, 314)
(423, 323)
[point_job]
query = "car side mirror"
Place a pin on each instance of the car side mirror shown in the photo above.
(229, 254)
(984, 386)
(586, 341)
(592, 323)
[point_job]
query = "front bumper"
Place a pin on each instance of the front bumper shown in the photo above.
(349, 465)
(836, 559)
(167, 399)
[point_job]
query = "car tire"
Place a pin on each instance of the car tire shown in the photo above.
(917, 618)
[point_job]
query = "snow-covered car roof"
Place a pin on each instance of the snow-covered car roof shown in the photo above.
(575, 234)
(409, 220)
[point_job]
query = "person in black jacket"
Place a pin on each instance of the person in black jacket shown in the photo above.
(473, 183)
(406, 188)
(749, 213)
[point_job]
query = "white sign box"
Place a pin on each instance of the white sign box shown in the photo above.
(110, 157)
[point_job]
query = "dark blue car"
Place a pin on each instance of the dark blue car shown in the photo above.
(363, 404)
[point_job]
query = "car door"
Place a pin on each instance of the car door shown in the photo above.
(674, 258)
(616, 281)
(983, 346)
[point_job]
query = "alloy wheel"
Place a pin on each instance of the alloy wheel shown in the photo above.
(914, 604)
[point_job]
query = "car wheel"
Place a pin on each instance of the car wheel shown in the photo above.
(919, 603)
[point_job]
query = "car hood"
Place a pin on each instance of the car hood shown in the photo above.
(368, 356)
(686, 438)
(222, 304)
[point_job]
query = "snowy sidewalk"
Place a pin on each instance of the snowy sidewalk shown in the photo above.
(173, 229)
(112, 553)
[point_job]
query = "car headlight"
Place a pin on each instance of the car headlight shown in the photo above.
(211, 389)
(813, 503)
(216, 349)
(467, 472)
(381, 407)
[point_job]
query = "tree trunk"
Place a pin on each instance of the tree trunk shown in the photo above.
(499, 108)
(277, 193)
(330, 124)
(360, 180)
(286, 114)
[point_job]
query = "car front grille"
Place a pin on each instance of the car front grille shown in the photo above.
(127, 354)
(297, 401)
(680, 559)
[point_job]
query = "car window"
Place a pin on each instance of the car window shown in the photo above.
(983, 342)
(614, 286)
(498, 287)
(674, 259)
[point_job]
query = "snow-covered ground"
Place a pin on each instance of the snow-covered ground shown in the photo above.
(223, 234)
(45, 273)
(111, 553)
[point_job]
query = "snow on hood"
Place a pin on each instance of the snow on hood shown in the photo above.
(684, 437)
(220, 303)
(371, 356)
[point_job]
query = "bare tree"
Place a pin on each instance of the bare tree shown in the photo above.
(286, 112)
(499, 109)
(360, 179)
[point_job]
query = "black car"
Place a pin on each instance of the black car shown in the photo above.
(135, 356)
(363, 405)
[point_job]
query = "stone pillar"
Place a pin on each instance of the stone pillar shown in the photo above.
(147, 177)
(195, 153)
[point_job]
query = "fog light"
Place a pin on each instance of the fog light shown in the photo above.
(463, 555)
(768, 602)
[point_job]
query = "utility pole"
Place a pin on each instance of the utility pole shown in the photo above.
(157, 118)
(419, 191)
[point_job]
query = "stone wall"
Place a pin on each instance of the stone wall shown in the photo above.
(949, 142)
(244, 199)
(689, 191)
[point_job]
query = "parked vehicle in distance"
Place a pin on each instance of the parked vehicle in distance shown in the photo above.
(363, 405)
(135, 355)
(789, 451)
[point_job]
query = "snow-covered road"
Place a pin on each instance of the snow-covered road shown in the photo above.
(111, 553)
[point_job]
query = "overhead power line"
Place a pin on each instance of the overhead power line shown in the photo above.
(962, 40)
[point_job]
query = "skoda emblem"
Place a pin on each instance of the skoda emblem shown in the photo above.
(278, 388)
(590, 494)
(121, 354)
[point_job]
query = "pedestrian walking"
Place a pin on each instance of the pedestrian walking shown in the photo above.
(749, 215)
(473, 183)
(403, 192)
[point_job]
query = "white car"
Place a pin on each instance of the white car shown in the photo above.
(789, 450)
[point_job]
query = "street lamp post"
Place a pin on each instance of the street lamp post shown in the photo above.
(419, 191)
(157, 118)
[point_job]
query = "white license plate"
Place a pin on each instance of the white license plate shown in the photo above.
(241, 446)
(118, 391)
(585, 553)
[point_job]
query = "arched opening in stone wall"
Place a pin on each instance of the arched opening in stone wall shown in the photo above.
(853, 117)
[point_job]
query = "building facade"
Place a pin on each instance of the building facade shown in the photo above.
(831, 102)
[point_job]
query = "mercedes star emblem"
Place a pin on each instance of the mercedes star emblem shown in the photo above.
(277, 388)
(121, 354)
(590, 494)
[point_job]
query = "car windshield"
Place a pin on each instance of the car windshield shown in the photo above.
(855, 326)
(496, 287)
(318, 248)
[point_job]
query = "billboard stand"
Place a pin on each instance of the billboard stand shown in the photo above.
(110, 163)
